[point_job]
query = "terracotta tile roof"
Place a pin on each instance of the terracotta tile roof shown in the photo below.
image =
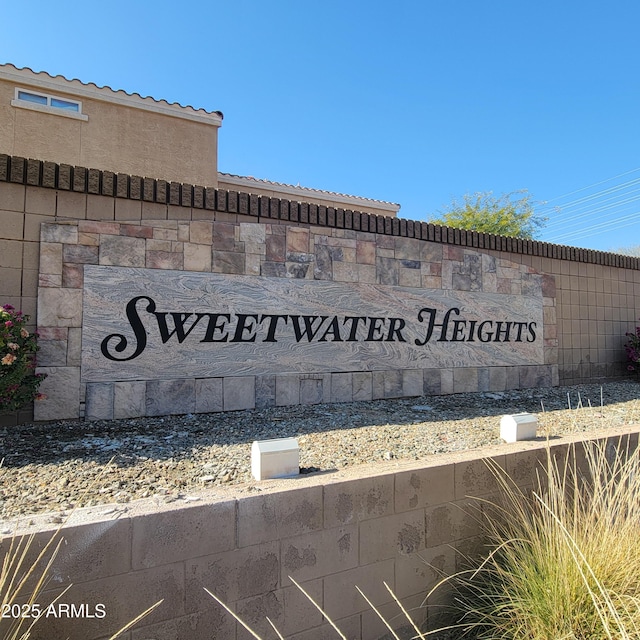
(78, 84)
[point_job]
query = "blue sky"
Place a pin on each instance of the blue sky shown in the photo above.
(415, 102)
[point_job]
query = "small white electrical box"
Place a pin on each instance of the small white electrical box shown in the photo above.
(278, 458)
(519, 426)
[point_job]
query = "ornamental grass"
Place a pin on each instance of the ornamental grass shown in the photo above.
(565, 560)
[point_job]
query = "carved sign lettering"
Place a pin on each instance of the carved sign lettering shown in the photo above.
(150, 324)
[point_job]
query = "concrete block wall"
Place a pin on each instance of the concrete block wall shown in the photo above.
(405, 524)
(596, 305)
(596, 299)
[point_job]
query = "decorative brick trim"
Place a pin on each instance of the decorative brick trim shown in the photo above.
(4, 167)
(221, 200)
(108, 183)
(33, 172)
(174, 193)
(254, 205)
(80, 179)
(135, 187)
(64, 177)
(232, 202)
(93, 181)
(49, 174)
(16, 170)
(186, 195)
(122, 185)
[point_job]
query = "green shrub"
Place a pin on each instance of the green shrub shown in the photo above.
(565, 561)
(18, 380)
(632, 348)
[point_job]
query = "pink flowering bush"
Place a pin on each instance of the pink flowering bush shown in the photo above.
(633, 350)
(18, 380)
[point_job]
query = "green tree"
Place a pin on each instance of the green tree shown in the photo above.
(511, 214)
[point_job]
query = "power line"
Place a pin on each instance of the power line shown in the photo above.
(581, 213)
(606, 225)
(595, 184)
(609, 208)
(582, 201)
(593, 230)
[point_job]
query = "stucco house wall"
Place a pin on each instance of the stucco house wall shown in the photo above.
(113, 130)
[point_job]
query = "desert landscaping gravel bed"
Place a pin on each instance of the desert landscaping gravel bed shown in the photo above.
(57, 466)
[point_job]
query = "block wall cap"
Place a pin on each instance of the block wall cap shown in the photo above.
(41, 173)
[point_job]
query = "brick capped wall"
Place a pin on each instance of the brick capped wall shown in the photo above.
(596, 293)
(80, 180)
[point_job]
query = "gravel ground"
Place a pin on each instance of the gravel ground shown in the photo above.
(61, 465)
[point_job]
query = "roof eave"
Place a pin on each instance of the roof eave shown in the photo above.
(43, 80)
(304, 193)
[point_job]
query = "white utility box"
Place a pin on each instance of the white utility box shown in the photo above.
(278, 458)
(519, 426)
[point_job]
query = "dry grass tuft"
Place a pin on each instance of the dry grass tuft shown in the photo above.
(23, 579)
(565, 560)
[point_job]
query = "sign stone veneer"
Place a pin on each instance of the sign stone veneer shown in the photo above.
(89, 270)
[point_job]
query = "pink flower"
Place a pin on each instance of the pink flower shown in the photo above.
(24, 333)
(8, 323)
(13, 346)
(8, 359)
(41, 396)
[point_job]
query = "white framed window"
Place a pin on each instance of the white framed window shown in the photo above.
(37, 101)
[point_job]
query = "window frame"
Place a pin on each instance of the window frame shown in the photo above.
(47, 107)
